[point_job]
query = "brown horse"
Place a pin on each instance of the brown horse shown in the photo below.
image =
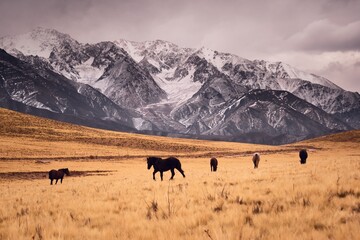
(213, 164)
(163, 165)
(58, 174)
(256, 160)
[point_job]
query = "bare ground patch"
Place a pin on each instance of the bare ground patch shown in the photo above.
(45, 175)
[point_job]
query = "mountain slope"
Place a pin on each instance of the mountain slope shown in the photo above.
(39, 87)
(40, 42)
(128, 84)
(261, 116)
(280, 115)
(160, 54)
(204, 64)
(284, 71)
(89, 63)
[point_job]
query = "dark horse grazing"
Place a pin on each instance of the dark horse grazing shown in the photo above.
(256, 160)
(303, 156)
(213, 164)
(58, 174)
(163, 165)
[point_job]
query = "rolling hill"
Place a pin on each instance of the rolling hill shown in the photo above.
(24, 136)
(27, 136)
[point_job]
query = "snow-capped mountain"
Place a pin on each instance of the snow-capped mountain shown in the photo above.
(284, 71)
(198, 92)
(36, 86)
(277, 115)
(236, 111)
(128, 85)
(104, 65)
(40, 42)
(276, 76)
(160, 54)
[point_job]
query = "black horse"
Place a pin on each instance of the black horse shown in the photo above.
(213, 164)
(303, 156)
(58, 174)
(163, 165)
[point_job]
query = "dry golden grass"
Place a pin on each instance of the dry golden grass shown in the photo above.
(280, 200)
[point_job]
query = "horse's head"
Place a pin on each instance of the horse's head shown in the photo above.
(150, 162)
(65, 170)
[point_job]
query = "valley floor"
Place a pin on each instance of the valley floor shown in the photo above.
(111, 194)
(280, 200)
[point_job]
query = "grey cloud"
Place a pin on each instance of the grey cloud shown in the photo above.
(341, 11)
(323, 35)
(335, 67)
(346, 75)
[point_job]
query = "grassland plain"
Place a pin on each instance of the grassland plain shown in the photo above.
(111, 194)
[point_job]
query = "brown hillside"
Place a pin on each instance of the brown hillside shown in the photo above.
(349, 136)
(23, 134)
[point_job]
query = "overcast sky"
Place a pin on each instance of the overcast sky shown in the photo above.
(319, 36)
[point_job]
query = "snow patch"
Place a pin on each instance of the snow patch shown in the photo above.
(178, 90)
(220, 59)
(253, 105)
(26, 45)
(87, 73)
(141, 124)
(289, 85)
(296, 73)
(39, 42)
(130, 48)
(154, 63)
(102, 84)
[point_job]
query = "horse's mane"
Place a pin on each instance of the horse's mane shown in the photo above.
(154, 158)
(64, 170)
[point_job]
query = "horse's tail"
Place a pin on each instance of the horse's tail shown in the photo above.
(178, 167)
(179, 164)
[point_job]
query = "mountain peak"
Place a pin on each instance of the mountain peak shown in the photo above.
(45, 30)
(39, 41)
(48, 33)
(219, 59)
(204, 51)
(293, 72)
(167, 44)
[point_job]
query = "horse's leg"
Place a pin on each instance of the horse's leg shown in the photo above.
(161, 175)
(61, 180)
(51, 180)
(56, 181)
(181, 171)
(154, 175)
(172, 174)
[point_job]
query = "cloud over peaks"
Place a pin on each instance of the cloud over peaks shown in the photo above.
(324, 35)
